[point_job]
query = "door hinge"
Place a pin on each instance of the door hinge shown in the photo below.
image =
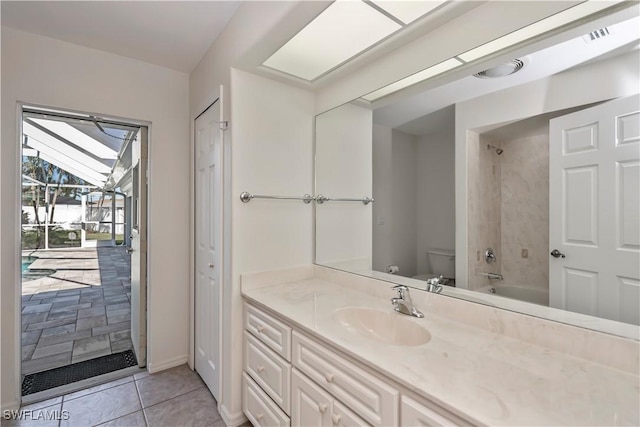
(224, 125)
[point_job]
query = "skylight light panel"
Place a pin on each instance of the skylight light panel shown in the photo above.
(536, 29)
(428, 73)
(343, 30)
(408, 11)
(78, 138)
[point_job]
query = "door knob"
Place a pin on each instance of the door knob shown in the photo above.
(129, 250)
(557, 254)
(210, 265)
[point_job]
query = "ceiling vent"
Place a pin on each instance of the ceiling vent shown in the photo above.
(596, 35)
(503, 70)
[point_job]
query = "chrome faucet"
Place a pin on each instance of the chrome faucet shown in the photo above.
(403, 302)
(435, 284)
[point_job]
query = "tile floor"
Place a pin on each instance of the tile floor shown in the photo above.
(80, 312)
(171, 398)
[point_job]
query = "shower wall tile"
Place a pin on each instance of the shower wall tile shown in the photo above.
(484, 217)
(525, 210)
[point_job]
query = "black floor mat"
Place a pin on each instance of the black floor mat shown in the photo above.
(57, 377)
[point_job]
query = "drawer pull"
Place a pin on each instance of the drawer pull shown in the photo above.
(260, 369)
(329, 377)
(259, 417)
(260, 328)
(322, 407)
(336, 419)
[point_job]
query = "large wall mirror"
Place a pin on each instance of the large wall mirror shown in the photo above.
(519, 185)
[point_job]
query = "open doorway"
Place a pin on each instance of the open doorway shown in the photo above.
(83, 247)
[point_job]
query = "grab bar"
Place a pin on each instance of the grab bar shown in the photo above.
(246, 197)
(320, 199)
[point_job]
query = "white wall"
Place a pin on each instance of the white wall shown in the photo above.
(272, 154)
(383, 205)
(343, 229)
(436, 194)
(579, 86)
(404, 202)
(48, 72)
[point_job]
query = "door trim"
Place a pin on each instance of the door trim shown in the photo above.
(17, 238)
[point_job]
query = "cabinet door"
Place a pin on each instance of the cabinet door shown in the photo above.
(413, 414)
(341, 416)
(310, 405)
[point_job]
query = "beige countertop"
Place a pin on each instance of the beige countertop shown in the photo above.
(484, 377)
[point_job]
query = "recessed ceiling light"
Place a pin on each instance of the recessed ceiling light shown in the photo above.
(343, 30)
(536, 29)
(407, 11)
(433, 71)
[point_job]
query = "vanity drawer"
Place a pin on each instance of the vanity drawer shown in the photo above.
(269, 330)
(268, 369)
(257, 406)
(369, 397)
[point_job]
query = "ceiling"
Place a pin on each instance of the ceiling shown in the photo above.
(411, 113)
(172, 34)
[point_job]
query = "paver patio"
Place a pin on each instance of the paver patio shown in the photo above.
(80, 312)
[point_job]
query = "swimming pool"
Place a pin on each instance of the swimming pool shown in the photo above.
(33, 273)
(26, 262)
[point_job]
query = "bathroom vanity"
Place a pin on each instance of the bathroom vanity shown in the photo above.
(323, 347)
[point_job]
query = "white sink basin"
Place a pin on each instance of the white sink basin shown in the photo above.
(387, 327)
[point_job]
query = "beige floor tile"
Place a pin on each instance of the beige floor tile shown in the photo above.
(101, 406)
(132, 420)
(197, 408)
(97, 388)
(168, 384)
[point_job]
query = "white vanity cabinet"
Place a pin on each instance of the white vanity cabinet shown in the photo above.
(266, 382)
(369, 396)
(292, 379)
(312, 406)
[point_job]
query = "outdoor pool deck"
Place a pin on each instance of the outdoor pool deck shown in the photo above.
(80, 312)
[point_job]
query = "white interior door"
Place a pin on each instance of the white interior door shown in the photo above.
(594, 211)
(138, 248)
(208, 293)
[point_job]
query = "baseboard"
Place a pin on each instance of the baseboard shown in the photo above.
(171, 363)
(231, 420)
(10, 406)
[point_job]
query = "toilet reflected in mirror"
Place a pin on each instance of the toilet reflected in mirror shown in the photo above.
(440, 262)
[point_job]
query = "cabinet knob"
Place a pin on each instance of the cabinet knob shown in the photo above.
(211, 265)
(259, 417)
(260, 369)
(260, 328)
(329, 377)
(322, 407)
(336, 419)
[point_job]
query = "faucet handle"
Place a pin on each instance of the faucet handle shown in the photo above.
(402, 291)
